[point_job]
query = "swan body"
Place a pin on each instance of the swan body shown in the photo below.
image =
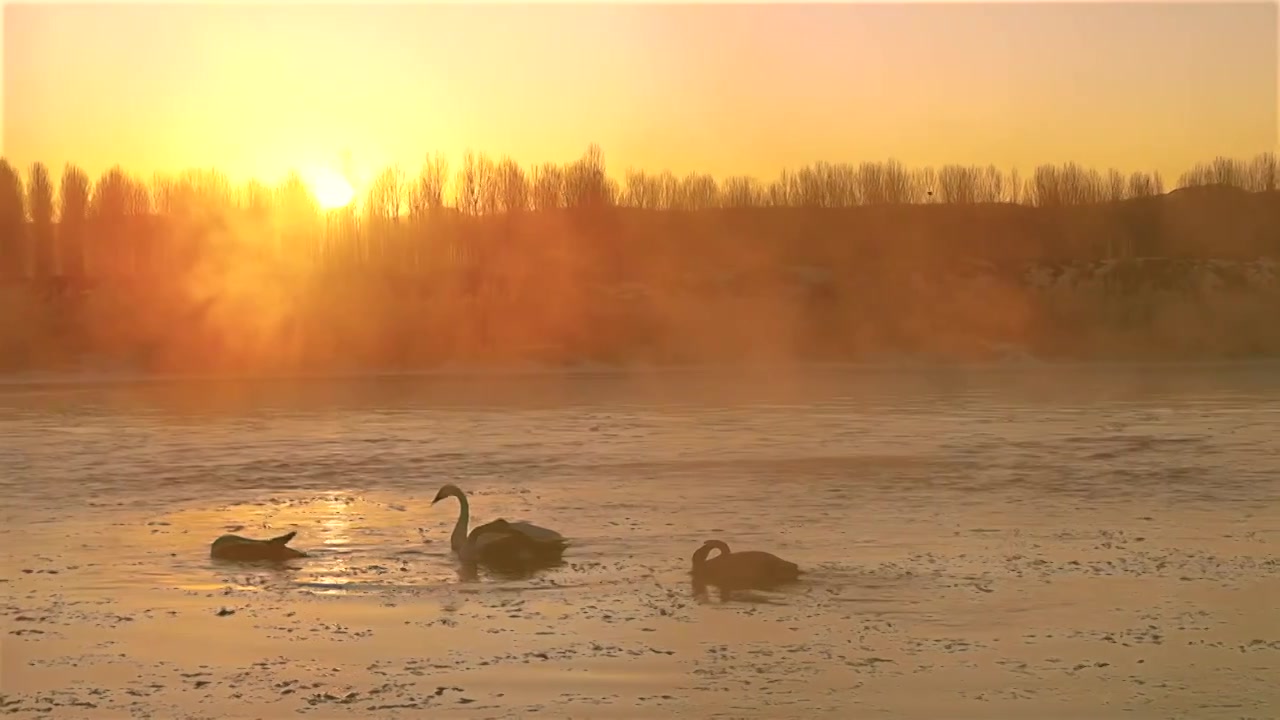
(243, 549)
(750, 569)
(501, 542)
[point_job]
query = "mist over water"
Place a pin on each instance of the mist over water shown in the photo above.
(1069, 540)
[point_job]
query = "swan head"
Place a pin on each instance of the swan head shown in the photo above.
(701, 555)
(720, 545)
(449, 490)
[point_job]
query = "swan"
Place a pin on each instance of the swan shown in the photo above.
(750, 569)
(501, 543)
(243, 549)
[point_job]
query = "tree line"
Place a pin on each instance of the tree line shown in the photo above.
(120, 223)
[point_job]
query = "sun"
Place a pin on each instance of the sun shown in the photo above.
(332, 190)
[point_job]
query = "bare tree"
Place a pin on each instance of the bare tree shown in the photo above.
(427, 195)
(1115, 186)
(255, 199)
(992, 187)
(842, 182)
(700, 191)
(212, 191)
(113, 195)
(927, 180)
(73, 216)
(957, 184)
(467, 186)
(1014, 187)
(885, 183)
(1069, 184)
(778, 193)
(548, 187)
(1141, 184)
(643, 191)
(13, 223)
(41, 195)
(808, 186)
(165, 195)
(117, 209)
(490, 190)
(294, 200)
(387, 196)
(742, 191)
(1264, 173)
(512, 187)
(585, 184)
(1045, 187)
(671, 192)
(476, 185)
(1221, 171)
(300, 218)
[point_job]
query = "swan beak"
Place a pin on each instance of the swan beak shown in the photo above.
(439, 497)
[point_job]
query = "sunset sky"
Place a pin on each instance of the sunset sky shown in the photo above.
(257, 89)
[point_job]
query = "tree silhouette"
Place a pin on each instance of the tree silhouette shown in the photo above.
(73, 218)
(1264, 173)
(115, 203)
(387, 196)
(957, 184)
(513, 187)
(1142, 184)
(118, 222)
(487, 186)
(548, 187)
(42, 235)
(886, 183)
(1014, 188)
(1070, 184)
(1115, 187)
(386, 201)
(369, 280)
(13, 223)
(299, 214)
(1221, 171)
(671, 193)
(467, 186)
(585, 184)
(701, 191)
(778, 193)
(642, 190)
(742, 191)
(428, 193)
(256, 199)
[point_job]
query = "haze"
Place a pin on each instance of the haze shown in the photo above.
(893, 360)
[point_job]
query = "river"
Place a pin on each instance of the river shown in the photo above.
(1060, 541)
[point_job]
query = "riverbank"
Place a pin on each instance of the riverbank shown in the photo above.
(1136, 310)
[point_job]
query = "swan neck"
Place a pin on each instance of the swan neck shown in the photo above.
(459, 537)
(700, 556)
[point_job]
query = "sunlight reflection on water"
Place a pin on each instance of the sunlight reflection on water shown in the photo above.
(624, 478)
(945, 528)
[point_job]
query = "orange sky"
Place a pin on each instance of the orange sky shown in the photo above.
(257, 89)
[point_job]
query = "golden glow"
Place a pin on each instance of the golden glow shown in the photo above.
(255, 89)
(332, 190)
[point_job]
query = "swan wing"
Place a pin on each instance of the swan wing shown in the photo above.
(496, 527)
(536, 533)
(479, 542)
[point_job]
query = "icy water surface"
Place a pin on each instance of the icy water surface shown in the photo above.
(1059, 542)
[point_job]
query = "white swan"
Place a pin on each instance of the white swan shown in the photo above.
(501, 543)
